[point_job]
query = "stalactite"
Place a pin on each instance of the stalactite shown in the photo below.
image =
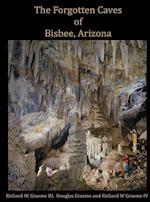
(132, 42)
(23, 56)
(79, 52)
(69, 53)
(123, 99)
(10, 48)
(76, 44)
(31, 52)
(93, 146)
(134, 57)
(107, 45)
(97, 64)
(101, 49)
(109, 101)
(124, 52)
(140, 43)
(107, 51)
(97, 148)
(114, 46)
(37, 55)
(115, 109)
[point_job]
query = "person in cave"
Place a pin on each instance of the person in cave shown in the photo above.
(49, 171)
(133, 140)
(126, 165)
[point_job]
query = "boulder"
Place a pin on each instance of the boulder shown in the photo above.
(21, 166)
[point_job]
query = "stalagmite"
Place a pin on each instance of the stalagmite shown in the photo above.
(120, 149)
(77, 151)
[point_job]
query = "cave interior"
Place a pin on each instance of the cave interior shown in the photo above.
(77, 115)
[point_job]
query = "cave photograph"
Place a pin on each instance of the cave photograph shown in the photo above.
(77, 117)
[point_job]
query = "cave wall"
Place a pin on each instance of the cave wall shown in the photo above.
(21, 166)
(68, 76)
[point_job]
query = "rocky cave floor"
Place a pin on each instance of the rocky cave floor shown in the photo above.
(93, 179)
(135, 180)
(92, 175)
(52, 166)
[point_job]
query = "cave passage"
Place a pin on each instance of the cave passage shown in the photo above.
(77, 115)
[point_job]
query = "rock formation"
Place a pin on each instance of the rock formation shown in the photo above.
(21, 166)
(77, 151)
(91, 85)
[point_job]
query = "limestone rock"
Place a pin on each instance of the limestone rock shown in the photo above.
(58, 181)
(42, 179)
(54, 163)
(143, 136)
(21, 166)
(38, 130)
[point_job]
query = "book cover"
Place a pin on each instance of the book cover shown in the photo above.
(75, 104)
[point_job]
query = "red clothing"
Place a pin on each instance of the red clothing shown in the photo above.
(126, 159)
